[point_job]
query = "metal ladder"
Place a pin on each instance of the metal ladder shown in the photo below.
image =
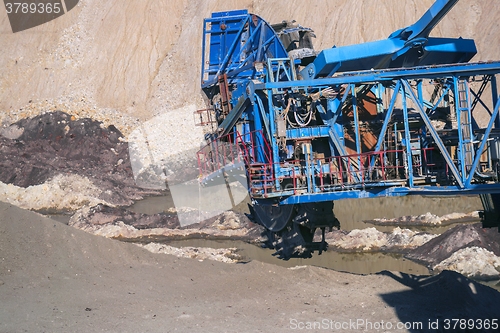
(465, 126)
(224, 94)
(261, 181)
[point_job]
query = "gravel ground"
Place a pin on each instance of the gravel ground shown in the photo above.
(55, 278)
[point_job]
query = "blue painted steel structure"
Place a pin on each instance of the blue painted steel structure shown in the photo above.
(402, 116)
(407, 47)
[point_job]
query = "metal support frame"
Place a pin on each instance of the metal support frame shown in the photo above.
(407, 145)
(402, 87)
(434, 135)
(356, 185)
(487, 132)
(259, 70)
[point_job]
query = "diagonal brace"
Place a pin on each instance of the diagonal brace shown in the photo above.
(483, 143)
(434, 134)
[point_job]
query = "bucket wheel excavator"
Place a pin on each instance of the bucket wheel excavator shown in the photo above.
(393, 117)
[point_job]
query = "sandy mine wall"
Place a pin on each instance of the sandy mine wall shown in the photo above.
(125, 62)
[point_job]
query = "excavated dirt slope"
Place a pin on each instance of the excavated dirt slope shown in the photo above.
(54, 278)
(120, 62)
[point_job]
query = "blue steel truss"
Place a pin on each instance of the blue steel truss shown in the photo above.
(463, 176)
(305, 137)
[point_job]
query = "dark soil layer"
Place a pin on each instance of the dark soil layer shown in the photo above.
(36, 149)
(101, 215)
(457, 238)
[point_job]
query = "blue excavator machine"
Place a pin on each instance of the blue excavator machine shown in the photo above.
(407, 115)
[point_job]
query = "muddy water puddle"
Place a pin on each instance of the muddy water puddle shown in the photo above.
(153, 205)
(366, 263)
(355, 263)
(59, 217)
(352, 214)
(355, 213)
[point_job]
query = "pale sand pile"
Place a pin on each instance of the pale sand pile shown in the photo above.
(200, 253)
(371, 240)
(426, 219)
(227, 225)
(61, 193)
(474, 262)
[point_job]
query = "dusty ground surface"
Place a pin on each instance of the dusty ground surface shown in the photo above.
(55, 278)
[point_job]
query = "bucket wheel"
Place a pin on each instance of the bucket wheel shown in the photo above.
(273, 217)
(290, 229)
(318, 214)
(313, 216)
(293, 242)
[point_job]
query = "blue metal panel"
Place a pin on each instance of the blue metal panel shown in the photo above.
(353, 58)
(406, 47)
(230, 13)
(308, 132)
(447, 51)
(236, 41)
(389, 192)
(341, 195)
